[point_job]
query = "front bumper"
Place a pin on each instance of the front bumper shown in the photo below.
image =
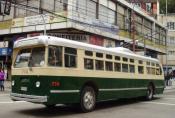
(28, 98)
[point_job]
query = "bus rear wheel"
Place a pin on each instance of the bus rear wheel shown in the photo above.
(87, 99)
(150, 92)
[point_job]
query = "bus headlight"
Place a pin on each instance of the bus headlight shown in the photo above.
(13, 83)
(37, 84)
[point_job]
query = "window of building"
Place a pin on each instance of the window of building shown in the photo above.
(91, 9)
(55, 56)
(99, 65)
(60, 5)
(117, 67)
(103, 13)
(121, 16)
(140, 69)
(88, 53)
(88, 64)
(109, 66)
(70, 57)
(132, 68)
(124, 67)
(171, 25)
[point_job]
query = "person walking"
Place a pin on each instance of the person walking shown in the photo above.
(2, 80)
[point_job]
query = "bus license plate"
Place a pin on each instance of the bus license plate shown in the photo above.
(23, 88)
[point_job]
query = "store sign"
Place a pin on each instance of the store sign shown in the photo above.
(96, 24)
(5, 51)
(76, 37)
(142, 1)
(36, 20)
(5, 24)
(18, 22)
(95, 40)
(3, 44)
(59, 17)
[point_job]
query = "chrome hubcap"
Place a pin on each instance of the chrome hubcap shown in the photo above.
(88, 100)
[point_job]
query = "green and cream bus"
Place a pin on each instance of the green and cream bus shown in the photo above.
(50, 70)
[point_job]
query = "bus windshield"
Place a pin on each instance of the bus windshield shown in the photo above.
(33, 57)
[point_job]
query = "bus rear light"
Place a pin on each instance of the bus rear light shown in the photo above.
(55, 84)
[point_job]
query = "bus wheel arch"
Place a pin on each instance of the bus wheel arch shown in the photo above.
(91, 84)
(88, 97)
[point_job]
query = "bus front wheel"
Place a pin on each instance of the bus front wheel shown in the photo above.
(87, 99)
(150, 92)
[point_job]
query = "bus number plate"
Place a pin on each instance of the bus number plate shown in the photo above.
(23, 88)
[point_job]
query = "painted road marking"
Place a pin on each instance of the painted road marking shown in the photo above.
(4, 94)
(160, 103)
(10, 102)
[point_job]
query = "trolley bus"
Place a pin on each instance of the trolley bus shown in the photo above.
(50, 70)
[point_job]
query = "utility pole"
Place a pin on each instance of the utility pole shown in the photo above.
(133, 29)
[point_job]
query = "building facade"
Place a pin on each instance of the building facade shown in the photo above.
(151, 7)
(99, 22)
(169, 21)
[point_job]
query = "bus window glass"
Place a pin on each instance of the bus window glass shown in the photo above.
(148, 70)
(37, 57)
(99, 65)
(100, 55)
(88, 64)
(140, 70)
(117, 58)
(117, 67)
(125, 59)
(153, 70)
(70, 57)
(132, 60)
(157, 71)
(124, 67)
(88, 53)
(55, 56)
(132, 68)
(140, 62)
(22, 58)
(108, 56)
(109, 66)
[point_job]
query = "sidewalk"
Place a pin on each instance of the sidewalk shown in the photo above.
(7, 87)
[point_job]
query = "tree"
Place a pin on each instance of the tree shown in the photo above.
(170, 6)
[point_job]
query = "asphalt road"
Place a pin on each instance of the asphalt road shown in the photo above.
(163, 106)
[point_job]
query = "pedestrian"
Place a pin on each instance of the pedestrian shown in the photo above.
(2, 80)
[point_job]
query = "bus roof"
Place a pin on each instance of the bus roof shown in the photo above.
(50, 40)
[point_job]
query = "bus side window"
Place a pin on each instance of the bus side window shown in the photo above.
(140, 70)
(70, 57)
(55, 56)
(88, 64)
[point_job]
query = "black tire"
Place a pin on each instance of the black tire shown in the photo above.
(150, 93)
(87, 99)
(50, 106)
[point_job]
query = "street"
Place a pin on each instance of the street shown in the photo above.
(163, 106)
